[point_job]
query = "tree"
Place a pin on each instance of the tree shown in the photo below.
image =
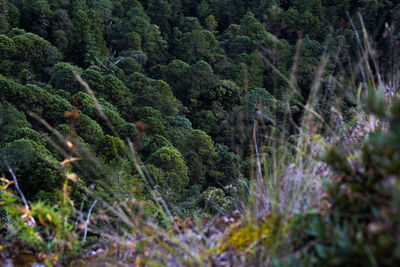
(203, 10)
(62, 29)
(7, 54)
(227, 12)
(113, 117)
(28, 133)
(129, 66)
(229, 163)
(304, 16)
(62, 77)
(175, 171)
(153, 143)
(211, 24)
(241, 44)
(225, 94)
(34, 54)
(199, 45)
(136, 20)
(197, 170)
(81, 100)
(152, 117)
(54, 113)
(110, 147)
(202, 80)
(138, 83)
(251, 27)
(176, 74)
(95, 80)
(188, 25)
(32, 163)
(83, 42)
(4, 24)
(11, 120)
(37, 16)
(213, 200)
(206, 121)
(250, 69)
(201, 143)
(129, 131)
(96, 30)
(168, 104)
(89, 129)
(243, 117)
(118, 94)
(178, 128)
(13, 15)
(160, 12)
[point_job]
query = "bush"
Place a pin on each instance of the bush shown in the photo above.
(89, 129)
(110, 147)
(361, 226)
(33, 164)
(173, 168)
(62, 77)
(11, 120)
(129, 131)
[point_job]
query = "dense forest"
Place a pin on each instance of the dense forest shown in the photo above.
(183, 105)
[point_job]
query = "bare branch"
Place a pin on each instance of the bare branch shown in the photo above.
(87, 220)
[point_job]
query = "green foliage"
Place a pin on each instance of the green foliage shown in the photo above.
(11, 120)
(202, 144)
(54, 113)
(110, 147)
(89, 129)
(135, 20)
(153, 118)
(61, 29)
(199, 45)
(117, 94)
(172, 171)
(45, 227)
(4, 17)
(153, 144)
(130, 66)
(84, 38)
(81, 100)
(250, 69)
(251, 27)
(7, 51)
(62, 77)
(20, 49)
(213, 200)
(28, 133)
(160, 12)
(34, 166)
(178, 128)
(211, 24)
(229, 163)
(200, 155)
(129, 131)
(206, 121)
(175, 74)
(203, 9)
(169, 104)
(202, 80)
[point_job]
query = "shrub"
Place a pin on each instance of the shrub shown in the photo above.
(89, 129)
(174, 170)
